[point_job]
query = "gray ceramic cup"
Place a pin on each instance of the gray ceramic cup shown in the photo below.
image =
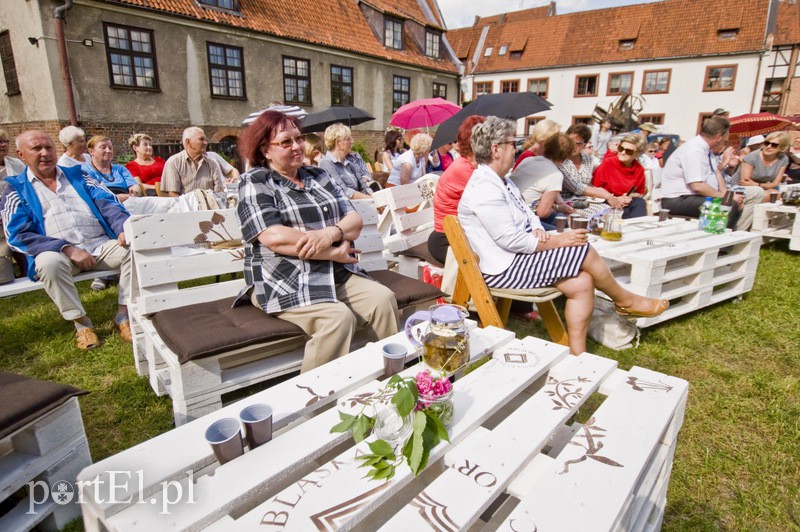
(225, 438)
(663, 215)
(561, 223)
(580, 223)
(394, 358)
(257, 421)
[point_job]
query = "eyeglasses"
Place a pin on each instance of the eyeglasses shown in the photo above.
(651, 151)
(773, 144)
(505, 142)
(627, 151)
(288, 143)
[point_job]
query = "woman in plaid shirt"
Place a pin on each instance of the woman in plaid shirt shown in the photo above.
(298, 226)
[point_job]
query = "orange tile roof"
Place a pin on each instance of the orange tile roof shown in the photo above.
(335, 24)
(533, 13)
(788, 26)
(670, 28)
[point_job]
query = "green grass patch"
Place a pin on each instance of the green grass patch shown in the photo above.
(737, 461)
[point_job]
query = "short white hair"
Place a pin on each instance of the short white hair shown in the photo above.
(70, 134)
(189, 131)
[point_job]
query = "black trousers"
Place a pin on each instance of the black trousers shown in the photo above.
(635, 209)
(690, 206)
(438, 245)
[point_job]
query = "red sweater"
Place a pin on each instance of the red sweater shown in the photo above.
(449, 190)
(617, 178)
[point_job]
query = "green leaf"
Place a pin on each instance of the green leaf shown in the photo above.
(403, 401)
(345, 416)
(361, 427)
(382, 464)
(386, 473)
(380, 447)
(417, 448)
(441, 431)
(371, 461)
(344, 426)
(394, 381)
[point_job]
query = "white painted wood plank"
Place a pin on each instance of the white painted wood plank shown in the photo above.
(584, 486)
(23, 285)
(154, 231)
(481, 469)
(344, 498)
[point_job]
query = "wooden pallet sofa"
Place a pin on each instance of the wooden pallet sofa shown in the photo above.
(186, 337)
(43, 448)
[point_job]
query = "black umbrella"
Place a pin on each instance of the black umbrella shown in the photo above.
(510, 105)
(349, 116)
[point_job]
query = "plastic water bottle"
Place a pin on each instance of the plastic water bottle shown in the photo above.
(704, 214)
(727, 206)
(714, 217)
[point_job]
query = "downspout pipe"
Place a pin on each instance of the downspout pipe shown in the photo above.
(60, 14)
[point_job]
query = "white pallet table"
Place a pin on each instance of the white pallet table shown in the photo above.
(676, 261)
(481, 468)
(617, 484)
(337, 497)
(22, 285)
(50, 449)
(776, 220)
(220, 490)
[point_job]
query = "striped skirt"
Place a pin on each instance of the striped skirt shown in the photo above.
(540, 269)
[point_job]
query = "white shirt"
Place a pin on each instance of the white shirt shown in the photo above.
(536, 175)
(67, 162)
(496, 220)
(690, 163)
(417, 165)
(67, 216)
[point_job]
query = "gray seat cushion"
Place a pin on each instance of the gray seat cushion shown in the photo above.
(206, 329)
(23, 400)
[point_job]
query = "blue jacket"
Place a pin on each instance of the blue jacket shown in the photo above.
(23, 219)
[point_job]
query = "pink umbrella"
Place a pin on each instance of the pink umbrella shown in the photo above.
(424, 113)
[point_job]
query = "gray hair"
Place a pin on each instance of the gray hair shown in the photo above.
(70, 134)
(489, 133)
(189, 131)
(716, 125)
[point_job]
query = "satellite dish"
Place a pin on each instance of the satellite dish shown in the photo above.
(464, 86)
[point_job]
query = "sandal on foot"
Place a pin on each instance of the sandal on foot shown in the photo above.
(124, 330)
(657, 307)
(86, 339)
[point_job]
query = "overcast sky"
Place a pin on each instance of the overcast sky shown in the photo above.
(461, 13)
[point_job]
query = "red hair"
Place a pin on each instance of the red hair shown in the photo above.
(261, 132)
(465, 133)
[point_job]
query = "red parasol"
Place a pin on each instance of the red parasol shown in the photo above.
(754, 124)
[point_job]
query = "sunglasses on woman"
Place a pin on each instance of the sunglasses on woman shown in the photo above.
(288, 143)
(627, 151)
(773, 144)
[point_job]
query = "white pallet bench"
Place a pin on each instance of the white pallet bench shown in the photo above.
(411, 228)
(249, 479)
(776, 220)
(50, 449)
(22, 285)
(676, 261)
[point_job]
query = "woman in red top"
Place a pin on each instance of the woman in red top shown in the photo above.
(145, 167)
(450, 187)
(622, 175)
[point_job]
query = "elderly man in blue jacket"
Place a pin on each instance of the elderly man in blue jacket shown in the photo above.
(65, 222)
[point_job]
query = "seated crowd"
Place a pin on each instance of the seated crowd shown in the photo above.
(66, 215)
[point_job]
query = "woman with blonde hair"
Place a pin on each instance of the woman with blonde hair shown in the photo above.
(765, 167)
(534, 145)
(345, 166)
(411, 165)
(74, 140)
(313, 150)
(145, 166)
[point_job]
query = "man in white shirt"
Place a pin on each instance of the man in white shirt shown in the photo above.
(691, 174)
(192, 168)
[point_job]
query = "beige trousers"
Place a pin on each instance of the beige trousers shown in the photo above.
(752, 197)
(331, 326)
(56, 271)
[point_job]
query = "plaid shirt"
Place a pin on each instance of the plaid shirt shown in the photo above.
(282, 282)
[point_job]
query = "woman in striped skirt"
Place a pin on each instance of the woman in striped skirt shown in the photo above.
(516, 253)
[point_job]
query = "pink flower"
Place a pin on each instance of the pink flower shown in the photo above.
(424, 382)
(441, 387)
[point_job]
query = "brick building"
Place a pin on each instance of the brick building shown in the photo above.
(157, 66)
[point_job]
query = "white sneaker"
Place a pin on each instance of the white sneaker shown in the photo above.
(98, 284)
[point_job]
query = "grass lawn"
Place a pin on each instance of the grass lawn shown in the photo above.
(738, 456)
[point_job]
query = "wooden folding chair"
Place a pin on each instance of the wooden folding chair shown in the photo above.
(470, 284)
